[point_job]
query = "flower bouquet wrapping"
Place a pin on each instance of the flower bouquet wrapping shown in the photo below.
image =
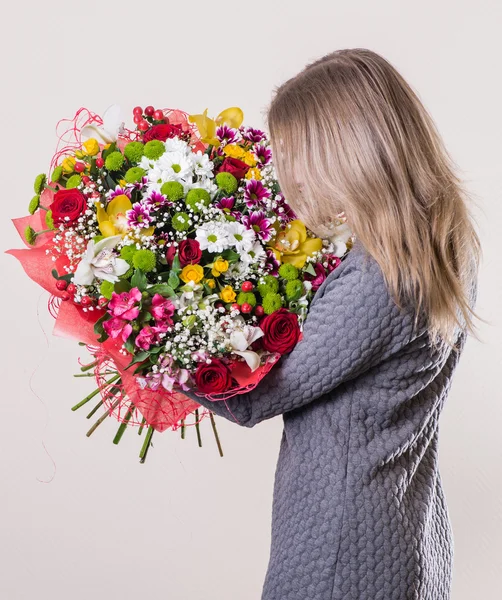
(169, 251)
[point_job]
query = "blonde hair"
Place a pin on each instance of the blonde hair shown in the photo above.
(350, 136)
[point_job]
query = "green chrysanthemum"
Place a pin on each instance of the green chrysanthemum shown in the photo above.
(180, 221)
(246, 297)
(226, 182)
(294, 289)
(114, 161)
(197, 196)
(30, 235)
(49, 221)
(39, 183)
(128, 274)
(73, 182)
(127, 253)
(134, 151)
(268, 284)
(106, 289)
(289, 272)
(34, 204)
(57, 174)
(154, 149)
(173, 190)
(271, 303)
(144, 260)
(134, 174)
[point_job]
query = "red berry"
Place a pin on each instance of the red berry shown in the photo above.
(86, 301)
(102, 302)
(71, 289)
(79, 167)
(65, 296)
(137, 119)
(144, 125)
(235, 306)
(218, 304)
(137, 110)
(61, 284)
(149, 111)
(258, 311)
(246, 308)
(85, 179)
(100, 163)
(158, 115)
(247, 286)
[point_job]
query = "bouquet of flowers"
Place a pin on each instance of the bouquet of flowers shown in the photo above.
(169, 251)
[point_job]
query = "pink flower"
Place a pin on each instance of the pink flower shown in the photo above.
(123, 305)
(146, 337)
(162, 309)
(116, 327)
(319, 278)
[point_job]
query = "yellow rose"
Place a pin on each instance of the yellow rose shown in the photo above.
(234, 151)
(227, 294)
(220, 264)
(91, 147)
(211, 283)
(68, 164)
(250, 159)
(192, 273)
(253, 174)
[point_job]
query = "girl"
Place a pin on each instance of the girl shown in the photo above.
(359, 511)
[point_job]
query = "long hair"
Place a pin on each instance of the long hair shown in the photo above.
(350, 136)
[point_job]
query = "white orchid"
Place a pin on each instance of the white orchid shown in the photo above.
(100, 262)
(113, 124)
(240, 340)
(339, 238)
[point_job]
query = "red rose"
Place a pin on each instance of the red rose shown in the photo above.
(162, 132)
(281, 331)
(67, 206)
(213, 378)
(170, 254)
(190, 252)
(234, 166)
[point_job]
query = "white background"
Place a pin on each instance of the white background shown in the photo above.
(189, 524)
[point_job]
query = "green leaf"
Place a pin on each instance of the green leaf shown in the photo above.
(122, 286)
(173, 280)
(176, 268)
(140, 357)
(310, 270)
(139, 280)
(99, 329)
(230, 255)
(109, 150)
(163, 289)
(129, 345)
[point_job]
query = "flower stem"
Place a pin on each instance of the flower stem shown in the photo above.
(103, 417)
(123, 425)
(92, 374)
(197, 428)
(211, 416)
(94, 393)
(146, 444)
(140, 430)
(89, 366)
(113, 391)
(182, 429)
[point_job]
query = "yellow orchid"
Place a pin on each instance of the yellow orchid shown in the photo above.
(232, 117)
(113, 220)
(292, 245)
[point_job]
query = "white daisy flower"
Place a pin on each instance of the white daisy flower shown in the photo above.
(240, 237)
(176, 145)
(212, 237)
(175, 166)
(202, 165)
(256, 253)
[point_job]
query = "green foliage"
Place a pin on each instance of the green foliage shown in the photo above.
(226, 182)
(197, 196)
(173, 190)
(73, 182)
(134, 174)
(271, 303)
(154, 149)
(287, 271)
(39, 183)
(294, 289)
(114, 161)
(144, 260)
(34, 204)
(133, 151)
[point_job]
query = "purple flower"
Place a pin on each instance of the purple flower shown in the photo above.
(263, 154)
(225, 133)
(138, 215)
(259, 224)
(155, 201)
(255, 193)
(226, 203)
(252, 135)
(119, 191)
(272, 264)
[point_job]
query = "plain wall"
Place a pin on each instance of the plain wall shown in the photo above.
(81, 517)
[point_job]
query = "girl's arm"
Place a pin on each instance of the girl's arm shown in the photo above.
(352, 326)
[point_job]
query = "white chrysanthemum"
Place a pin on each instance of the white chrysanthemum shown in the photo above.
(256, 253)
(240, 237)
(237, 270)
(202, 165)
(205, 184)
(176, 145)
(175, 166)
(212, 237)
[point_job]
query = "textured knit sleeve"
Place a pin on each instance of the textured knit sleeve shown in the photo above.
(352, 325)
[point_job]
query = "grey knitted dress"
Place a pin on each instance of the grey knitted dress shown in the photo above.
(358, 510)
